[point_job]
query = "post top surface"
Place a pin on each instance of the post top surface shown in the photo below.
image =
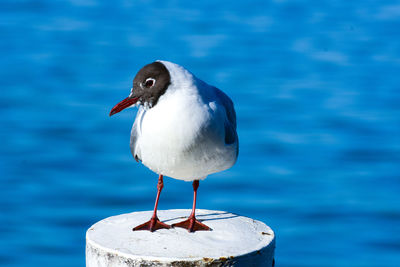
(232, 235)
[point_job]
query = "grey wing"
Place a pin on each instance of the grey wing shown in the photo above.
(230, 124)
(133, 143)
(135, 135)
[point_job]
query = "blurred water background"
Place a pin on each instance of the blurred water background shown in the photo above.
(316, 89)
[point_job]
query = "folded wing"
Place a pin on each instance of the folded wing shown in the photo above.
(230, 122)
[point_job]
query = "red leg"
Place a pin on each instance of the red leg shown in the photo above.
(154, 223)
(192, 224)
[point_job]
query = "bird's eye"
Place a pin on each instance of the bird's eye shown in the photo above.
(149, 82)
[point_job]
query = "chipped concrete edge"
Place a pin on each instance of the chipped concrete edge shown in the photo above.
(98, 256)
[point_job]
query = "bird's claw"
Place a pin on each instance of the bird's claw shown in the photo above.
(192, 225)
(152, 225)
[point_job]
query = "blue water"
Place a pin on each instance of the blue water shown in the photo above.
(317, 92)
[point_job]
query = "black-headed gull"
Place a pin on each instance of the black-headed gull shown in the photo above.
(184, 129)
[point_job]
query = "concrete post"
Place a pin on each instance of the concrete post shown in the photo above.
(234, 241)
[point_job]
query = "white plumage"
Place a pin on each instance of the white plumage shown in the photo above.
(191, 131)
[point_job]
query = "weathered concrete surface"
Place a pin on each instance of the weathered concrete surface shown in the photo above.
(234, 241)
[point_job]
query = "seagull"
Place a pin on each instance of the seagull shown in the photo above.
(184, 129)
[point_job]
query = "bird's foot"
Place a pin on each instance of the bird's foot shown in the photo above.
(192, 225)
(152, 225)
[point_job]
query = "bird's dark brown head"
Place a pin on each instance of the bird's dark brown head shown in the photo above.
(149, 84)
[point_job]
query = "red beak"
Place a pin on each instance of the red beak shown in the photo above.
(127, 102)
